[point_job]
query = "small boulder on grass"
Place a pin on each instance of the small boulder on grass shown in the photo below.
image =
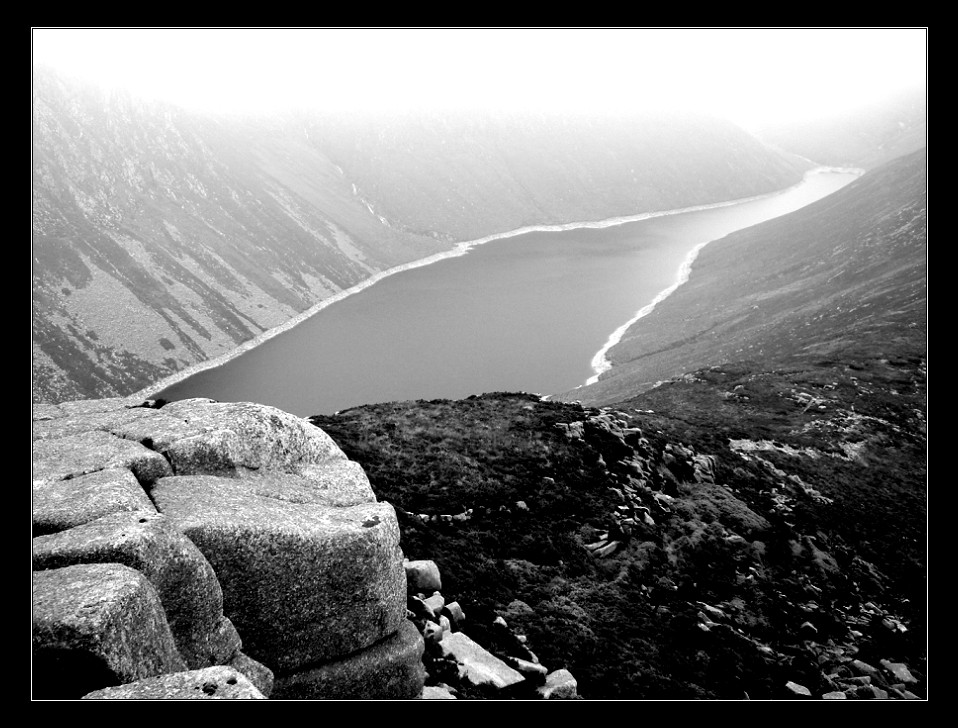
(560, 685)
(422, 576)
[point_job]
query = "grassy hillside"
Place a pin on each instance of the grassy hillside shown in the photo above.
(845, 273)
(683, 545)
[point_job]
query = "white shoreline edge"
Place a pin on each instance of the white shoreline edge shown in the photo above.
(461, 249)
(600, 362)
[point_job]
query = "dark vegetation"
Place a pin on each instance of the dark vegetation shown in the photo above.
(865, 137)
(793, 551)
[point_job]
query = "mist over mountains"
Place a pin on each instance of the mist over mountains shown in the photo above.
(163, 238)
(866, 137)
(736, 509)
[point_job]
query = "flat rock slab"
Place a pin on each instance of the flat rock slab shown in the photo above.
(95, 626)
(93, 406)
(303, 582)
(148, 542)
(480, 666)
(899, 671)
(67, 457)
(211, 683)
(113, 420)
(433, 692)
(62, 504)
(327, 491)
(389, 670)
(240, 436)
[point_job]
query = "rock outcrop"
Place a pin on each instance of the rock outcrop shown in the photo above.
(456, 664)
(174, 540)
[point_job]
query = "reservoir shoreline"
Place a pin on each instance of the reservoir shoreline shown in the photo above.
(461, 249)
(601, 363)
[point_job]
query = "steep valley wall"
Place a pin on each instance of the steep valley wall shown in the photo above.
(163, 238)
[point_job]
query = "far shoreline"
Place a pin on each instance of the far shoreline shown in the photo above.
(460, 249)
(601, 363)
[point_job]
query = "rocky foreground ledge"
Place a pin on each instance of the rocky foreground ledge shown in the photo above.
(150, 525)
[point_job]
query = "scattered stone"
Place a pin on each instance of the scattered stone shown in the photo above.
(900, 671)
(526, 667)
(862, 668)
(422, 576)
(388, 670)
(432, 634)
(870, 692)
(211, 683)
(455, 614)
(798, 690)
(479, 666)
(432, 692)
(417, 606)
(518, 608)
(836, 695)
(559, 685)
(435, 603)
(94, 626)
(712, 611)
(606, 550)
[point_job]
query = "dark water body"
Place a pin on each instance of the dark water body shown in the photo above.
(526, 313)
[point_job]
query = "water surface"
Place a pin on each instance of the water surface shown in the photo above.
(524, 313)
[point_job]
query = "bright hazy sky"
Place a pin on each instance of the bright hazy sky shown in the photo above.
(750, 75)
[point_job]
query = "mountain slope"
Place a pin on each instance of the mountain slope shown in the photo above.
(164, 238)
(848, 272)
(471, 175)
(867, 137)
